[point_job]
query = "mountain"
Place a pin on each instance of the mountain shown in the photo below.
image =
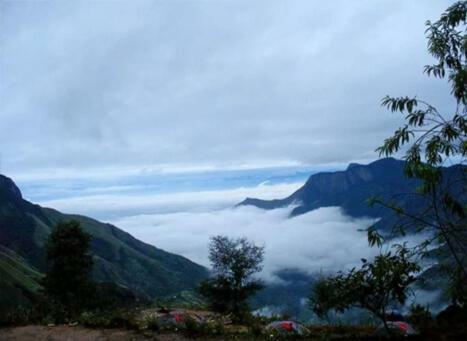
(19, 282)
(350, 189)
(118, 257)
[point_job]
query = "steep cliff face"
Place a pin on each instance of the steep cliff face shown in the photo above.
(20, 224)
(350, 189)
(118, 256)
(8, 190)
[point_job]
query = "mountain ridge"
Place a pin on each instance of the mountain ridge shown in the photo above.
(118, 256)
(351, 188)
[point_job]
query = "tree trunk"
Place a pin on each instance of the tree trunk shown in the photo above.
(385, 323)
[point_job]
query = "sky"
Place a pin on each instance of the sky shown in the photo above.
(92, 87)
(160, 116)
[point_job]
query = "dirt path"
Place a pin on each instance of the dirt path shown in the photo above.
(67, 333)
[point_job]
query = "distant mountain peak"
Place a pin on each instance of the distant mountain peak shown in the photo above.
(353, 165)
(348, 189)
(387, 160)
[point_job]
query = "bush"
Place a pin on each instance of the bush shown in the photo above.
(109, 319)
(421, 318)
(18, 317)
(193, 327)
(151, 323)
(453, 315)
(255, 328)
(213, 328)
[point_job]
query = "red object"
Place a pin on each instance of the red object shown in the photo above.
(178, 317)
(402, 325)
(287, 326)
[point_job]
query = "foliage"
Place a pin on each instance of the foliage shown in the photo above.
(458, 287)
(67, 282)
(421, 318)
(238, 259)
(373, 287)
(119, 257)
(114, 318)
(19, 282)
(234, 262)
(152, 323)
(432, 139)
(186, 299)
(453, 315)
(325, 297)
(18, 317)
(193, 328)
(440, 136)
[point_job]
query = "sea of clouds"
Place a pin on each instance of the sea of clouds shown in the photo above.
(321, 240)
(114, 202)
(325, 240)
(182, 222)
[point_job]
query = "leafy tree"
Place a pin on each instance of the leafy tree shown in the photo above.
(327, 295)
(432, 139)
(373, 287)
(67, 282)
(234, 262)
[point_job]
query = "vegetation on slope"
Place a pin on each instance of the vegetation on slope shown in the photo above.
(118, 257)
(19, 283)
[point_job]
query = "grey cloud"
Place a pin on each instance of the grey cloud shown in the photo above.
(321, 240)
(114, 203)
(93, 84)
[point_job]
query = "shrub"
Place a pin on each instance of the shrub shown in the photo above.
(420, 317)
(109, 319)
(18, 317)
(151, 323)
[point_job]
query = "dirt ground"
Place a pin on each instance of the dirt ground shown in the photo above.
(67, 333)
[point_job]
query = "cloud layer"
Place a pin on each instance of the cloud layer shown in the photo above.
(321, 240)
(182, 222)
(116, 204)
(92, 85)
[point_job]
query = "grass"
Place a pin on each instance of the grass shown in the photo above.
(19, 282)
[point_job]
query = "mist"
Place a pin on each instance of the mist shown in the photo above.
(322, 240)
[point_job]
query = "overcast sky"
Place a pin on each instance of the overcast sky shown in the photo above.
(95, 86)
(160, 116)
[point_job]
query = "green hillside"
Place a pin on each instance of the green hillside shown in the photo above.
(18, 281)
(119, 257)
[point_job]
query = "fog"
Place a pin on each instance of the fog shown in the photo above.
(182, 222)
(114, 202)
(322, 240)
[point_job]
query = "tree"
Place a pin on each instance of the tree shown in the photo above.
(67, 282)
(432, 139)
(373, 287)
(234, 262)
